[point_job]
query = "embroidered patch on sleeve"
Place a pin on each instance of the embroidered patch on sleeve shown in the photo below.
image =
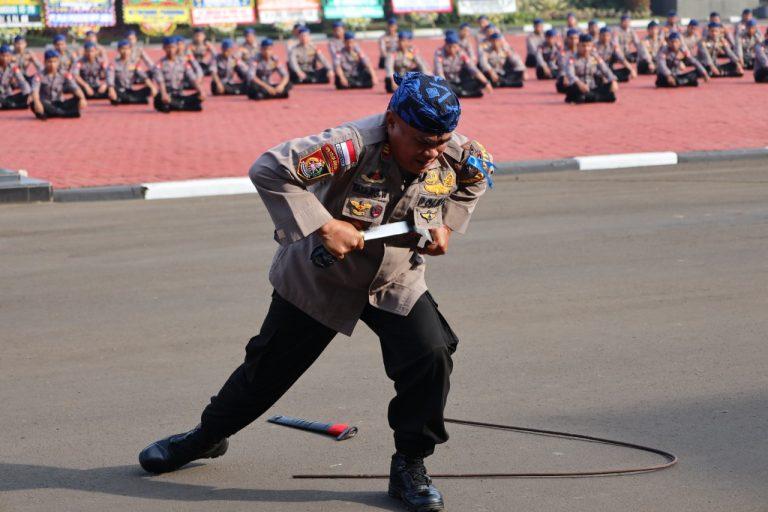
(346, 153)
(322, 162)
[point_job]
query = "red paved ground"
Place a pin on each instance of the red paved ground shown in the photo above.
(123, 145)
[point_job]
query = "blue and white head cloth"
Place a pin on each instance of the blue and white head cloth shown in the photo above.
(426, 103)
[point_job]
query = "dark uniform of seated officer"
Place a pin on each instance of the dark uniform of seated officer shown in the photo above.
(91, 73)
(761, 61)
(548, 57)
(123, 76)
(457, 68)
(48, 90)
(649, 48)
(202, 50)
(306, 63)
(611, 53)
(407, 164)
(714, 47)
(746, 42)
(169, 75)
(352, 67)
(14, 88)
(230, 75)
(388, 42)
(674, 62)
(23, 58)
(404, 60)
(501, 64)
(532, 43)
(592, 81)
(264, 66)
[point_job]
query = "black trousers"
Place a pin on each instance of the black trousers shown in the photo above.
(318, 76)
(382, 62)
(14, 101)
(631, 57)
(644, 68)
(622, 74)
(509, 78)
(727, 70)
(530, 61)
(749, 62)
(468, 86)
(256, 92)
(560, 85)
(600, 94)
(96, 94)
(206, 68)
(417, 353)
(179, 102)
(541, 76)
(689, 79)
(231, 89)
(132, 96)
(761, 76)
(66, 108)
(361, 80)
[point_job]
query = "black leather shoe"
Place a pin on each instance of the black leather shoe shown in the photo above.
(409, 482)
(173, 452)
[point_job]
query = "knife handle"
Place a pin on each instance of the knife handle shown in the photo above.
(322, 258)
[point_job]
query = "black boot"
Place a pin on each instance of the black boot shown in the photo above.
(409, 482)
(173, 452)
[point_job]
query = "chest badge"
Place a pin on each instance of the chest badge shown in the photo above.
(376, 177)
(434, 185)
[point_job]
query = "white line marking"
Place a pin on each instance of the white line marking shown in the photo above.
(623, 161)
(198, 188)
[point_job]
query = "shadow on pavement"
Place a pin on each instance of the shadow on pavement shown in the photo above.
(132, 482)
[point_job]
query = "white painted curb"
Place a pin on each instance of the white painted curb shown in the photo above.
(198, 188)
(598, 162)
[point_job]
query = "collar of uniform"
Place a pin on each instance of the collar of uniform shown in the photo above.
(453, 150)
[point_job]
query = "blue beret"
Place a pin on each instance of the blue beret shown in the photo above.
(495, 36)
(693, 23)
(349, 35)
(653, 24)
(296, 25)
(671, 13)
(227, 43)
(593, 22)
(538, 21)
(5, 49)
(338, 23)
(426, 103)
(606, 30)
(123, 43)
(131, 33)
(250, 30)
(746, 11)
(752, 23)
(572, 32)
(673, 35)
(405, 34)
(169, 40)
(392, 21)
(19, 38)
(50, 54)
(451, 38)
(714, 14)
(571, 15)
(550, 33)
(464, 25)
(713, 24)
(266, 42)
(482, 18)
(198, 30)
(90, 33)
(59, 37)
(304, 30)
(625, 17)
(88, 45)
(585, 38)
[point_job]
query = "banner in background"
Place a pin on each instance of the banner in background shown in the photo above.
(70, 13)
(486, 6)
(406, 6)
(156, 17)
(282, 11)
(338, 9)
(222, 12)
(21, 14)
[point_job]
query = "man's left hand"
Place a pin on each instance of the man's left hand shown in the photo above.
(440, 238)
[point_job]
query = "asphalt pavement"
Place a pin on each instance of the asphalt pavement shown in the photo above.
(627, 304)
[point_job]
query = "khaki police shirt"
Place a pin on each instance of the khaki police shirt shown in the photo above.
(669, 62)
(305, 58)
(349, 173)
(404, 61)
(122, 74)
(12, 78)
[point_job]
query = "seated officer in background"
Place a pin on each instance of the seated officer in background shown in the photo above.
(48, 90)
(457, 68)
(137, 51)
(264, 66)
(202, 50)
(593, 29)
(674, 64)
(672, 24)
(746, 42)
(741, 26)
(761, 61)
(14, 88)
(692, 37)
(306, 62)
(715, 46)
(67, 56)
(123, 75)
(388, 41)
(250, 47)
(23, 58)
(627, 39)
(567, 53)
(336, 41)
(548, 57)
(532, 43)
(501, 64)
(90, 73)
(403, 60)
(611, 53)
(649, 48)
(571, 23)
(590, 78)
(184, 55)
(352, 67)
(169, 75)
(101, 53)
(230, 75)
(467, 41)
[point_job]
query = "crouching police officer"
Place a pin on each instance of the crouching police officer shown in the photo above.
(123, 76)
(48, 90)
(404, 60)
(263, 67)
(229, 74)
(352, 66)
(406, 164)
(591, 79)
(673, 63)
(170, 74)
(501, 64)
(12, 79)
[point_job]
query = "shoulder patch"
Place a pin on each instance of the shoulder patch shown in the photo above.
(321, 162)
(478, 164)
